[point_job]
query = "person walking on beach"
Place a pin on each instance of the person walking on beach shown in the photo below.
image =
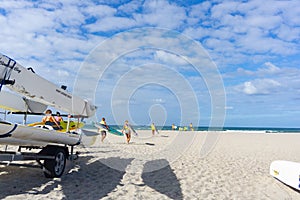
(153, 128)
(50, 120)
(126, 129)
(103, 132)
(173, 127)
(191, 127)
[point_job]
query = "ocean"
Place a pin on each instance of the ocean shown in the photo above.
(205, 128)
(201, 128)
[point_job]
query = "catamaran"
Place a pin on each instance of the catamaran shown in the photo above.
(35, 94)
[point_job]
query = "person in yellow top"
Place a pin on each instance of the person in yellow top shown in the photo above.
(50, 120)
(153, 128)
(173, 127)
(126, 129)
(103, 132)
(191, 127)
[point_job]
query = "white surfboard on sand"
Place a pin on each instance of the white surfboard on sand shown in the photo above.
(287, 172)
(27, 83)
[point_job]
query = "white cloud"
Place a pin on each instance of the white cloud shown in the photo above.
(197, 32)
(99, 11)
(259, 86)
(15, 4)
(270, 69)
(153, 13)
(267, 70)
(130, 7)
(249, 88)
(199, 11)
(232, 29)
(220, 10)
(269, 85)
(212, 43)
(250, 38)
(161, 14)
(288, 33)
(169, 58)
(264, 22)
(111, 24)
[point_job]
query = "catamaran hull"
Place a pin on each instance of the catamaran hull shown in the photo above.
(16, 134)
(27, 83)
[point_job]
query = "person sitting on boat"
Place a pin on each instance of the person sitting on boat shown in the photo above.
(58, 118)
(50, 120)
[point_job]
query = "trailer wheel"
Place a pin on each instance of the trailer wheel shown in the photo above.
(54, 168)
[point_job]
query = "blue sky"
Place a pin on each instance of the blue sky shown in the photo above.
(254, 45)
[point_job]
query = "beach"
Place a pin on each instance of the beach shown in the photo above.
(166, 166)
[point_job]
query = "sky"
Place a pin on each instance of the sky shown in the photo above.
(231, 63)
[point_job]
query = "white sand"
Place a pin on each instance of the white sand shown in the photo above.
(236, 168)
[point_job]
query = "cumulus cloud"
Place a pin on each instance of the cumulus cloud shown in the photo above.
(268, 79)
(268, 69)
(232, 30)
(228, 29)
(255, 45)
(161, 14)
(259, 86)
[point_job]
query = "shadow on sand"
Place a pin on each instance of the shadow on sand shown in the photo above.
(9, 181)
(98, 179)
(91, 181)
(163, 180)
(88, 179)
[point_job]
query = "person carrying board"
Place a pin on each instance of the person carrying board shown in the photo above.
(103, 132)
(126, 129)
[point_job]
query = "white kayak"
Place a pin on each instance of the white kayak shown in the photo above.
(17, 134)
(287, 172)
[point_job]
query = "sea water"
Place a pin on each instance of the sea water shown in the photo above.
(205, 128)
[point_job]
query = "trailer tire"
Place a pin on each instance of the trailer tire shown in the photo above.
(54, 168)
